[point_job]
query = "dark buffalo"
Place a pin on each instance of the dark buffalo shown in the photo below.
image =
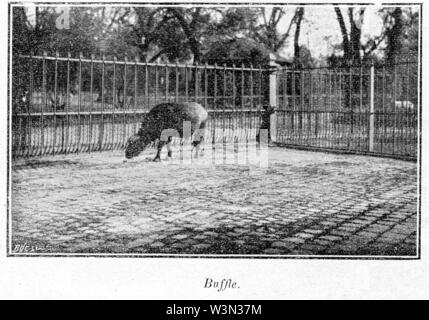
(163, 118)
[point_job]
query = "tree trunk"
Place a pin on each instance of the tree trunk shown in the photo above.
(346, 43)
(393, 36)
(300, 14)
(355, 35)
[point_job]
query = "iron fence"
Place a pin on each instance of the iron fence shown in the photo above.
(65, 104)
(365, 109)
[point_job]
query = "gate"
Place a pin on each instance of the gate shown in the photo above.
(365, 109)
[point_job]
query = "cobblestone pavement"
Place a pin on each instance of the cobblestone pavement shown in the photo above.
(304, 203)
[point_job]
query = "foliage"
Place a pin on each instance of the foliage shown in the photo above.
(202, 34)
(237, 52)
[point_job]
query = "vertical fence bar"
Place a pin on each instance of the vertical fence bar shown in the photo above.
(124, 104)
(340, 113)
(112, 133)
(330, 126)
(351, 138)
(285, 111)
(215, 115)
(91, 104)
(177, 82)
(186, 83)
(333, 75)
(29, 106)
(395, 118)
(384, 139)
(79, 103)
(205, 85)
(302, 107)
(156, 82)
(371, 110)
(223, 107)
(399, 116)
(44, 105)
(232, 118)
(135, 125)
(167, 95)
(309, 108)
(251, 104)
(146, 85)
(405, 140)
(205, 98)
(322, 108)
(101, 143)
(63, 120)
(196, 82)
(316, 107)
(294, 106)
(68, 147)
(258, 123)
(360, 105)
(18, 135)
(242, 98)
(114, 102)
(54, 118)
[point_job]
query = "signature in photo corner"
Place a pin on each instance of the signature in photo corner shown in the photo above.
(26, 247)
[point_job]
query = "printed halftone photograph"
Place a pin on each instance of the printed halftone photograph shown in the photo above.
(241, 131)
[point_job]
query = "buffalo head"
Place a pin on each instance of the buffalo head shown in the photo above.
(135, 145)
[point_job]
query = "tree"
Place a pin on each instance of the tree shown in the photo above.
(267, 32)
(152, 31)
(401, 29)
(237, 52)
(194, 23)
(183, 33)
(399, 34)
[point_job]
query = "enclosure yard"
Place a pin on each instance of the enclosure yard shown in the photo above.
(68, 198)
(303, 203)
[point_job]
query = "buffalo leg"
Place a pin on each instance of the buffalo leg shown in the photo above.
(158, 153)
(169, 150)
(197, 144)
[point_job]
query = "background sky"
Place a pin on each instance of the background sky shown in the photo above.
(320, 29)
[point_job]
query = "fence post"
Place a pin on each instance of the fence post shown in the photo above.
(273, 97)
(371, 108)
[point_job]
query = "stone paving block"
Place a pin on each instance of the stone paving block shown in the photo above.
(201, 246)
(294, 240)
(340, 233)
(284, 245)
(350, 228)
(331, 238)
(180, 236)
(392, 238)
(272, 251)
(139, 242)
(313, 231)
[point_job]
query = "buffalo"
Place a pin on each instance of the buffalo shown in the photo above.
(163, 122)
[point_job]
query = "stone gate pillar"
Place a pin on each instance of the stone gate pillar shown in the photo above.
(273, 96)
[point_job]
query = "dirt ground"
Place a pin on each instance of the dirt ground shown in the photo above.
(302, 203)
